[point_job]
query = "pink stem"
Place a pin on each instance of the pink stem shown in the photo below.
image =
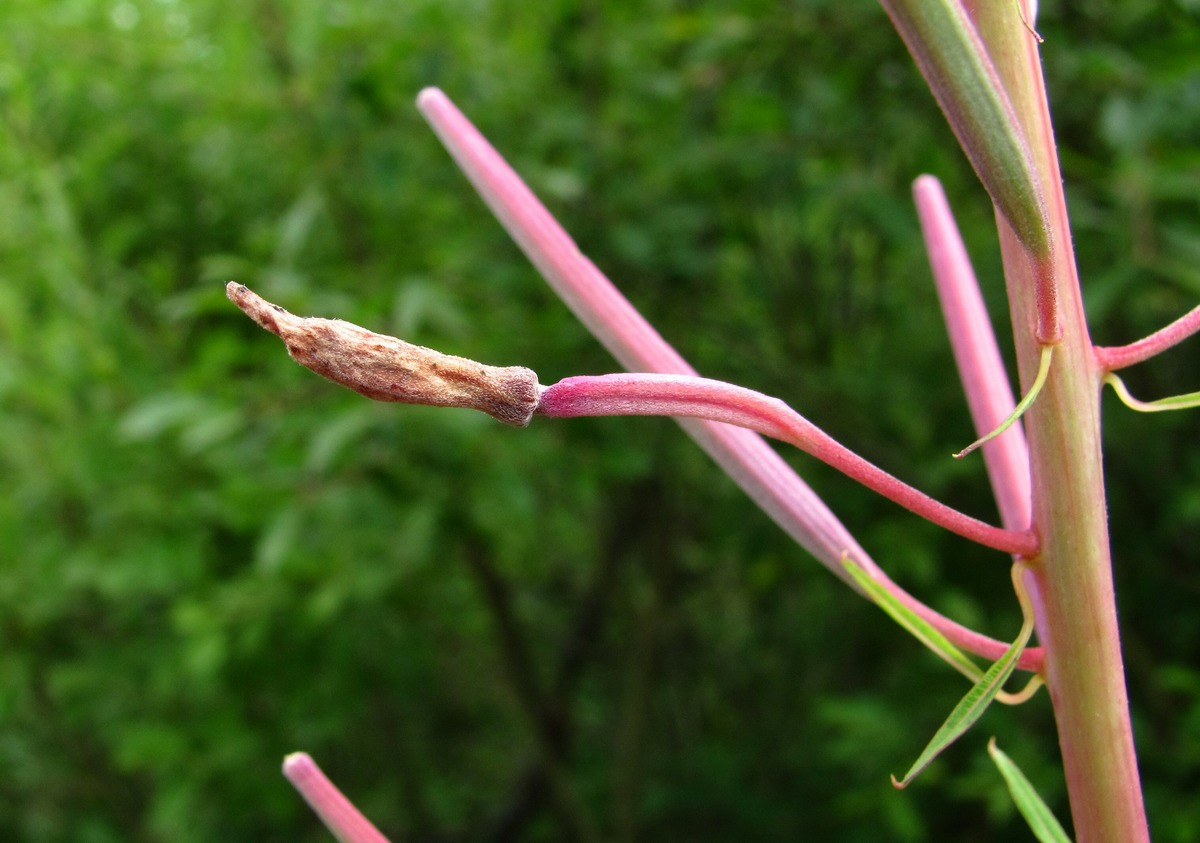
(1084, 671)
(1112, 358)
(744, 456)
(684, 395)
(335, 810)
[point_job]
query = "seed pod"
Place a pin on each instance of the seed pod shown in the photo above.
(389, 369)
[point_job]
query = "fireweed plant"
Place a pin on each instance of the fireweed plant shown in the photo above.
(981, 61)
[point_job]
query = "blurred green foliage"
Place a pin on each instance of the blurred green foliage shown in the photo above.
(210, 558)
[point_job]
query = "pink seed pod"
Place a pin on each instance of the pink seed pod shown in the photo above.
(389, 369)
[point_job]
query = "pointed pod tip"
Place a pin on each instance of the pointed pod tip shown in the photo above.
(926, 183)
(429, 96)
(267, 315)
(240, 295)
(297, 763)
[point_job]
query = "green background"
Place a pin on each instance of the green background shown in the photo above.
(210, 558)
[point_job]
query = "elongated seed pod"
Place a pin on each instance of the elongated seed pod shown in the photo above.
(388, 369)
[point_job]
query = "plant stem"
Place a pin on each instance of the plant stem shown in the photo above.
(1078, 624)
(1078, 621)
(687, 396)
(1112, 358)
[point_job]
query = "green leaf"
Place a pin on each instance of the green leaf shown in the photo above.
(916, 626)
(1042, 822)
(1025, 403)
(927, 634)
(1174, 402)
(972, 706)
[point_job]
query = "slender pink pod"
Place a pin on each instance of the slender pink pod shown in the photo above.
(596, 302)
(980, 367)
(947, 48)
(337, 812)
(951, 56)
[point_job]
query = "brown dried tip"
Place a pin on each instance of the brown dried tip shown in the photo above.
(388, 369)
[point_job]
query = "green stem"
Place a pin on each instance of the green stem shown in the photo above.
(1078, 624)
(1078, 621)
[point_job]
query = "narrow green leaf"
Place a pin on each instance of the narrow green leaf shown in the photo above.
(1174, 402)
(1025, 694)
(1042, 822)
(971, 707)
(1018, 411)
(916, 626)
(927, 634)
